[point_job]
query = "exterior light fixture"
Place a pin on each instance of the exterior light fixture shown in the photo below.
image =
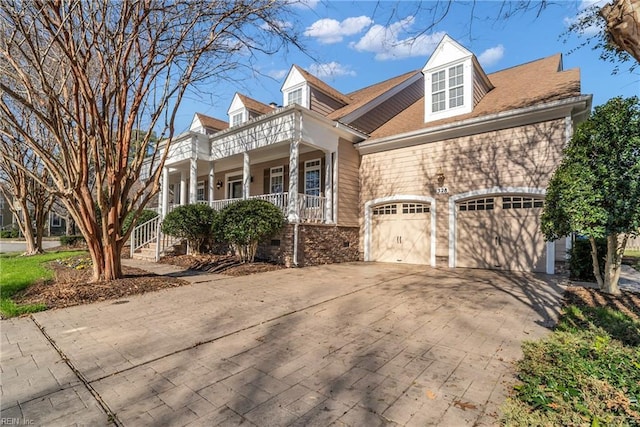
(219, 184)
(440, 177)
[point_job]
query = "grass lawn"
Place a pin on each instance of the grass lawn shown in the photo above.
(587, 372)
(18, 272)
(633, 258)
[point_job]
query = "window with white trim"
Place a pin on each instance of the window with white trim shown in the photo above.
(56, 220)
(485, 204)
(295, 97)
(517, 202)
(390, 209)
(276, 180)
(200, 192)
(312, 177)
(411, 208)
(237, 119)
(447, 88)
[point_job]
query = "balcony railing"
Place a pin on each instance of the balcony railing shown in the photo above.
(310, 208)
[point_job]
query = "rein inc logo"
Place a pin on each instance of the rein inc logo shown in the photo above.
(4, 421)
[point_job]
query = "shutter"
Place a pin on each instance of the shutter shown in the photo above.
(266, 183)
(285, 182)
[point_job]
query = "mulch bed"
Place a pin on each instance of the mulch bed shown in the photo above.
(71, 286)
(627, 302)
(222, 264)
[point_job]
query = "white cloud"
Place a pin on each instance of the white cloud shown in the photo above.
(330, 31)
(386, 42)
(491, 56)
(283, 25)
(277, 74)
(306, 4)
(330, 69)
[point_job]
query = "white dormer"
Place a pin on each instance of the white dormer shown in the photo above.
(449, 78)
(237, 112)
(295, 89)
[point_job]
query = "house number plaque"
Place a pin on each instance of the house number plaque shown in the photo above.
(442, 190)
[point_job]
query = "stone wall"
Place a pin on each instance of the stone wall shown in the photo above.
(317, 244)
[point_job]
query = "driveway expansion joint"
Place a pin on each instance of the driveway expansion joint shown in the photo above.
(111, 416)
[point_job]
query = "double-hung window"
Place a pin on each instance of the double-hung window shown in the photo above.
(200, 193)
(237, 119)
(447, 88)
(276, 180)
(295, 97)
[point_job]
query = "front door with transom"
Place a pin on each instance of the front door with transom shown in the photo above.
(234, 187)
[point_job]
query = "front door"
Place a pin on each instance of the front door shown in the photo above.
(234, 187)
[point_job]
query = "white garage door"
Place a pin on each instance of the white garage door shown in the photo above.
(400, 233)
(501, 232)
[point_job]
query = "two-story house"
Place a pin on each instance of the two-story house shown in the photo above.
(444, 166)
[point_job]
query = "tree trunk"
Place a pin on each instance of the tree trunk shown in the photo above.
(596, 262)
(623, 25)
(613, 264)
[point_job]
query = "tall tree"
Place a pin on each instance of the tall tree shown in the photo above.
(95, 72)
(596, 189)
(21, 172)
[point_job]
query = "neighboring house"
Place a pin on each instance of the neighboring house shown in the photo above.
(6, 216)
(444, 166)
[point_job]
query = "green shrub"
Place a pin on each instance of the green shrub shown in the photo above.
(10, 233)
(245, 223)
(145, 215)
(72, 240)
(580, 261)
(191, 222)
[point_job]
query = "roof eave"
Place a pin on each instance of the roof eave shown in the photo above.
(577, 106)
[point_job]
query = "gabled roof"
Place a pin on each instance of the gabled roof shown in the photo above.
(536, 82)
(361, 97)
(211, 122)
(253, 105)
(322, 86)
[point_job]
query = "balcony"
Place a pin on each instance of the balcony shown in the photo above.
(308, 208)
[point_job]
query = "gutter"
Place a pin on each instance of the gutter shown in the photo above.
(578, 106)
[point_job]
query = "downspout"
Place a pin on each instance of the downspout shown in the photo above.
(295, 244)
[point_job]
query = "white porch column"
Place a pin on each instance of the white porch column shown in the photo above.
(212, 183)
(183, 188)
(193, 180)
(164, 202)
(294, 157)
(328, 187)
(246, 175)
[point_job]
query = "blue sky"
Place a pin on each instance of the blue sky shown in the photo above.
(351, 45)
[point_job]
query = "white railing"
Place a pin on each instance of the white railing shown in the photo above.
(281, 200)
(218, 205)
(144, 234)
(311, 208)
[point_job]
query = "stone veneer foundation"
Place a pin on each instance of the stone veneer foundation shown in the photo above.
(317, 244)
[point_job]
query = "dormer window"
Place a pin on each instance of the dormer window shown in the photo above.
(237, 119)
(295, 97)
(447, 88)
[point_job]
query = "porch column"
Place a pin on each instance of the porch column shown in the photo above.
(212, 183)
(164, 202)
(193, 180)
(328, 187)
(292, 208)
(246, 175)
(183, 188)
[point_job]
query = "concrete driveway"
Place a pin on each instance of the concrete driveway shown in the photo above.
(349, 344)
(7, 246)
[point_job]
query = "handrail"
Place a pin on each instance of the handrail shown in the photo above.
(144, 234)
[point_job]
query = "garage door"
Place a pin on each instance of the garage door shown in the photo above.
(501, 232)
(400, 233)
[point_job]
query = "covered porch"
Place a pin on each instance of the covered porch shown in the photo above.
(288, 157)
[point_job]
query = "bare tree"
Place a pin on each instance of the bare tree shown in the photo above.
(93, 72)
(22, 171)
